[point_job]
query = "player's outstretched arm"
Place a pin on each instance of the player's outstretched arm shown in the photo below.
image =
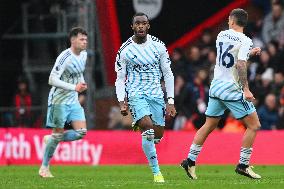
(242, 72)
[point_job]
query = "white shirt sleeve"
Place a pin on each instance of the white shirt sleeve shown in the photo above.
(56, 72)
(245, 48)
(165, 63)
(120, 68)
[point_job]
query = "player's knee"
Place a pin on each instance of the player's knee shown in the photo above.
(145, 123)
(149, 134)
(82, 132)
(257, 127)
(57, 136)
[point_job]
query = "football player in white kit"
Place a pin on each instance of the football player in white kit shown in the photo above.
(140, 64)
(229, 90)
(66, 79)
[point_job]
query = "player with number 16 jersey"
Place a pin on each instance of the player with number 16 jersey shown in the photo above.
(230, 90)
(231, 46)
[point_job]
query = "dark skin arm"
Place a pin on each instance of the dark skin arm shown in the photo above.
(242, 72)
(123, 108)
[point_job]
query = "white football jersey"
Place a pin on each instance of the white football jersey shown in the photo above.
(143, 65)
(69, 68)
(231, 46)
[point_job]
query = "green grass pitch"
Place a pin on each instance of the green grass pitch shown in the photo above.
(138, 176)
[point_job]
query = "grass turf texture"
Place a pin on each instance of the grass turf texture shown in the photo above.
(138, 177)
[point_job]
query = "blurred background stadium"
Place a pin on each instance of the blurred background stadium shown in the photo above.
(34, 32)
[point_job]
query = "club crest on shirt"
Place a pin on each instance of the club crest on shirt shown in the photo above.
(134, 56)
(156, 55)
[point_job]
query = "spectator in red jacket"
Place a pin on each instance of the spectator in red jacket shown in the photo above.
(23, 103)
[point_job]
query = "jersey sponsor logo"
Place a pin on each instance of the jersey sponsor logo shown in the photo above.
(144, 67)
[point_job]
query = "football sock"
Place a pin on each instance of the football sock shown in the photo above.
(150, 152)
(71, 135)
(245, 155)
(50, 148)
(194, 151)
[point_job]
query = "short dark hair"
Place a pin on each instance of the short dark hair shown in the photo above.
(278, 3)
(75, 31)
(139, 14)
(241, 17)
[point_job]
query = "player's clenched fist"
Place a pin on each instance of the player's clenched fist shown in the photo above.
(171, 110)
(80, 87)
(255, 51)
(123, 108)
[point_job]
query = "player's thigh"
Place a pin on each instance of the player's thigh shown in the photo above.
(211, 123)
(252, 121)
(159, 131)
(145, 123)
(158, 110)
(241, 108)
(139, 108)
(56, 115)
(215, 108)
(77, 116)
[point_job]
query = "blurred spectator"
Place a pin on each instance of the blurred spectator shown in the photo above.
(115, 119)
(23, 103)
(252, 69)
(82, 99)
(264, 63)
(253, 31)
(179, 69)
(194, 99)
(265, 5)
(263, 87)
(7, 119)
(178, 63)
(278, 83)
(179, 123)
(273, 23)
(268, 114)
(280, 124)
(193, 57)
(210, 62)
(275, 54)
(206, 42)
